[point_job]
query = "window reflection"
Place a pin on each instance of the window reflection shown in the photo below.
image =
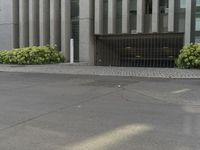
(148, 7)
(133, 15)
(119, 16)
(75, 27)
(105, 16)
(197, 21)
(180, 15)
(163, 17)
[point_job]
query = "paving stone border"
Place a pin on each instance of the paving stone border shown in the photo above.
(82, 69)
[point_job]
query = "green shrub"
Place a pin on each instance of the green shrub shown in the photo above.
(35, 55)
(189, 57)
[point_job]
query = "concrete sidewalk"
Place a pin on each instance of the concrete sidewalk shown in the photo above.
(78, 69)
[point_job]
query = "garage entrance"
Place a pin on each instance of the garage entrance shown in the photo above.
(138, 50)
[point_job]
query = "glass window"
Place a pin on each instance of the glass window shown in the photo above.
(197, 24)
(105, 16)
(133, 16)
(119, 16)
(197, 39)
(180, 15)
(164, 4)
(75, 27)
(163, 17)
(197, 3)
(148, 7)
(196, 33)
(182, 3)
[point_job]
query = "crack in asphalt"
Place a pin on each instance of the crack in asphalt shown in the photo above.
(57, 110)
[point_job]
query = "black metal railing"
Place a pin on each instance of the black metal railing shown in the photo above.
(138, 50)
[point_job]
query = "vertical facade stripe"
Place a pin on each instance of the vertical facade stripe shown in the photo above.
(155, 16)
(65, 28)
(33, 22)
(140, 16)
(188, 19)
(111, 16)
(55, 23)
(44, 11)
(171, 14)
(15, 28)
(98, 16)
(23, 23)
(125, 16)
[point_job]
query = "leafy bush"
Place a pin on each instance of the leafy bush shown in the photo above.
(31, 56)
(189, 57)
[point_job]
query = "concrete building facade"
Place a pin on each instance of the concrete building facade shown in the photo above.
(41, 22)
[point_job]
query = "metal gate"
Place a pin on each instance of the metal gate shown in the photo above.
(138, 50)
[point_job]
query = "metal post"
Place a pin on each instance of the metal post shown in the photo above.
(71, 51)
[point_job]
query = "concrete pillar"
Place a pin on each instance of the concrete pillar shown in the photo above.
(86, 31)
(23, 23)
(140, 15)
(9, 24)
(15, 24)
(55, 27)
(98, 16)
(33, 22)
(190, 21)
(171, 14)
(44, 11)
(65, 28)
(111, 16)
(125, 16)
(155, 16)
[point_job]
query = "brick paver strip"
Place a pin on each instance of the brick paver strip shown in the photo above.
(104, 71)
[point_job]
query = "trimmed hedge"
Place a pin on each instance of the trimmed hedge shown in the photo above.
(35, 55)
(189, 57)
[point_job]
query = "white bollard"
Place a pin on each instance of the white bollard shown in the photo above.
(71, 51)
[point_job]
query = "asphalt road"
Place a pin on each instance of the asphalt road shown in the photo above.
(61, 112)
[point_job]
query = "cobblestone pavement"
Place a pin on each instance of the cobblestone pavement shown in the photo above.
(104, 71)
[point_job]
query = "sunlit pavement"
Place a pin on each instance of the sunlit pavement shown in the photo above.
(63, 112)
